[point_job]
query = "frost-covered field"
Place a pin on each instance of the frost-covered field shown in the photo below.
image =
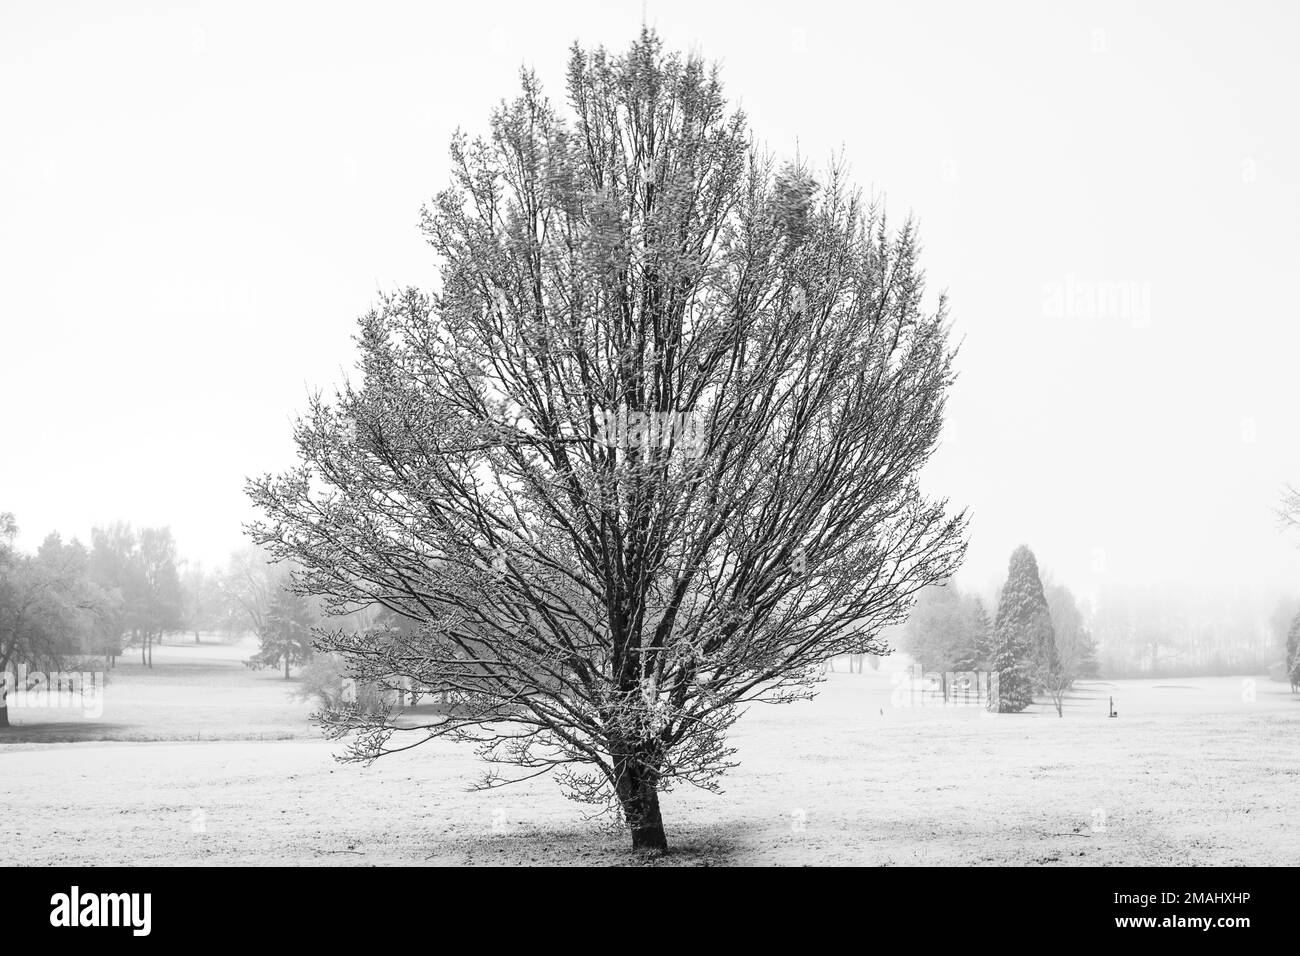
(202, 761)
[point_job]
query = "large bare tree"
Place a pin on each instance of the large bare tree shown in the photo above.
(648, 454)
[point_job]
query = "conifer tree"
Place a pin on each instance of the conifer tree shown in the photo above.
(1024, 640)
(286, 635)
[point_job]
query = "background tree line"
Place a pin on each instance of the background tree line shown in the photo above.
(66, 600)
(1038, 642)
(69, 606)
(1048, 637)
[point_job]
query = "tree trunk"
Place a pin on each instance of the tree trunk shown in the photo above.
(4, 713)
(639, 798)
(196, 637)
(286, 666)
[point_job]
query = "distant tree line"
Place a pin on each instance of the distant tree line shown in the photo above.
(1121, 631)
(1169, 631)
(64, 601)
(66, 604)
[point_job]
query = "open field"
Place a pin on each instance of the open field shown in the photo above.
(203, 761)
(194, 692)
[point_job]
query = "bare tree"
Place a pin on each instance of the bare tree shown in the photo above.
(1057, 678)
(1055, 683)
(160, 601)
(248, 589)
(201, 600)
(648, 455)
(1293, 654)
(1289, 512)
(1290, 515)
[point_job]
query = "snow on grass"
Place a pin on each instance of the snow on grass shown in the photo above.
(1193, 771)
(193, 692)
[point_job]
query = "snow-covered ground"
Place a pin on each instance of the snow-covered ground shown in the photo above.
(202, 761)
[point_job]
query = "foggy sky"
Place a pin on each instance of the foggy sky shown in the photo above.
(195, 205)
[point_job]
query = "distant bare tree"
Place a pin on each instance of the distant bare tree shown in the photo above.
(1073, 639)
(140, 570)
(1056, 679)
(160, 605)
(248, 588)
(649, 455)
(1293, 654)
(201, 600)
(944, 631)
(1289, 511)
(1290, 515)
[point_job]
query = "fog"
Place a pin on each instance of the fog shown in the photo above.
(193, 213)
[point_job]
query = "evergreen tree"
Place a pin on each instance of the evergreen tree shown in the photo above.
(1023, 637)
(1010, 663)
(285, 633)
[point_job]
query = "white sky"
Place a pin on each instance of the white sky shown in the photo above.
(197, 200)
